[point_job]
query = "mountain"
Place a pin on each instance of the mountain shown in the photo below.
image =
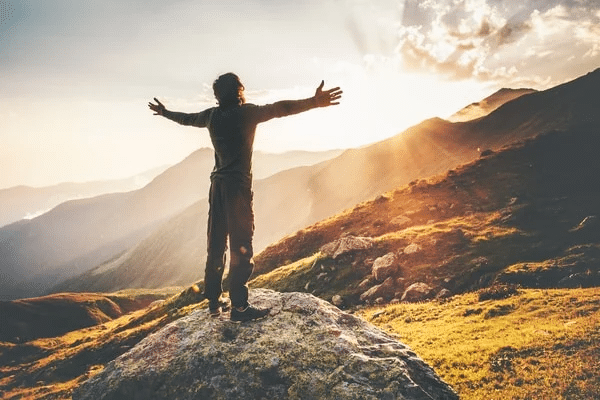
(524, 216)
(266, 164)
(487, 105)
(24, 202)
(291, 200)
(173, 255)
(35, 254)
(70, 239)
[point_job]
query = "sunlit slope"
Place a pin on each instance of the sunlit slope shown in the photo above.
(524, 215)
(487, 105)
(431, 148)
(531, 344)
(293, 199)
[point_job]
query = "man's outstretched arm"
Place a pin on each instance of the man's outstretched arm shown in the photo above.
(322, 98)
(196, 119)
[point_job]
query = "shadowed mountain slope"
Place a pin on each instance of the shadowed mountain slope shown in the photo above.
(293, 199)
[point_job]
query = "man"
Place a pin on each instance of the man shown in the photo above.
(232, 126)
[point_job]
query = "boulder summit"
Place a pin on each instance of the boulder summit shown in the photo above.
(306, 349)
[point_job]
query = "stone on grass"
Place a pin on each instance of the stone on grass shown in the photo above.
(384, 266)
(418, 291)
(345, 245)
(412, 248)
(385, 290)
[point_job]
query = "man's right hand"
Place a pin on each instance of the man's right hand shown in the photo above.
(158, 108)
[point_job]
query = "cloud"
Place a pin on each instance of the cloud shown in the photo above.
(494, 41)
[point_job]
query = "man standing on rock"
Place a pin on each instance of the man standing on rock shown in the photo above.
(232, 126)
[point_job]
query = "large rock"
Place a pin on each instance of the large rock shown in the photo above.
(385, 290)
(418, 292)
(345, 245)
(306, 349)
(384, 266)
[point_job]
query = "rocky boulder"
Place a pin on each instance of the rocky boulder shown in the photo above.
(417, 292)
(384, 266)
(305, 349)
(345, 245)
(385, 290)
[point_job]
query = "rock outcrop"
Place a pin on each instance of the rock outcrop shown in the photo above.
(305, 349)
(345, 245)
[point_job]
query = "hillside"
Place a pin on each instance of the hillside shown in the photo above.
(293, 199)
(50, 316)
(487, 105)
(524, 215)
(532, 344)
(71, 238)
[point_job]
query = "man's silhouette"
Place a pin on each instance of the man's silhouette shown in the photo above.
(232, 126)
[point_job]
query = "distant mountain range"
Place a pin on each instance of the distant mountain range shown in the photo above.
(25, 202)
(294, 199)
(79, 234)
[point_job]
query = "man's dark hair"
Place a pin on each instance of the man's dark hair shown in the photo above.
(229, 90)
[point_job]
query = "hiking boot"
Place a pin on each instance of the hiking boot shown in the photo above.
(248, 314)
(215, 307)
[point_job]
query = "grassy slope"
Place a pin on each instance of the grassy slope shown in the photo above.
(509, 217)
(49, 368)
(49, 316)
(537, 344)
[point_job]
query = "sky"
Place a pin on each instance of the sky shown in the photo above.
(76, 75)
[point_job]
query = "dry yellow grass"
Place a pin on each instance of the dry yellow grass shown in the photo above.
(538, 344)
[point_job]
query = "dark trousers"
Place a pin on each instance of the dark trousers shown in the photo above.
(230, 215)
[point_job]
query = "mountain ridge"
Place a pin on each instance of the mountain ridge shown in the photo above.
(513, 217)
(294, 199)
(489, 104)
(74, 235)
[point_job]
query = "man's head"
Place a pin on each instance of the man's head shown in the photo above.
(229, 90)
